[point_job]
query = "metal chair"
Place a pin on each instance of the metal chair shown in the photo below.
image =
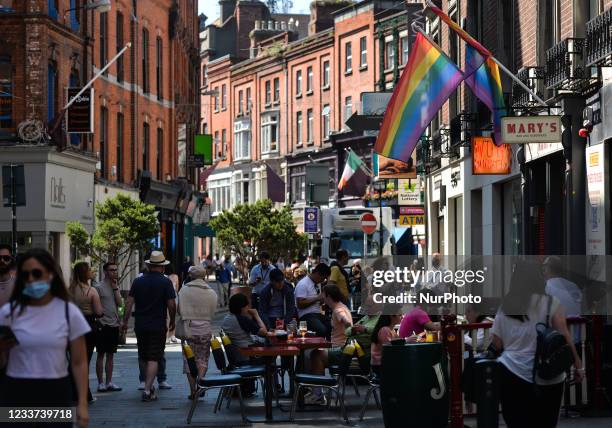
(330, 383)
(374, 382)
(216, 382)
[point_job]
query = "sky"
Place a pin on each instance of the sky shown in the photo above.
(210, 8)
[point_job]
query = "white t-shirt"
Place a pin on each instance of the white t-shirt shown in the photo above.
(567, 293)
(520, 338)
(306, 288)
(42, 332)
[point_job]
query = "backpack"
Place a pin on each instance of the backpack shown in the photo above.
(553, 354)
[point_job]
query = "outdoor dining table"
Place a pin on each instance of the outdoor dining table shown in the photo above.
(268, 354)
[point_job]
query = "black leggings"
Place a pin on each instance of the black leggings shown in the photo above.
(36, 393)
(525, 406)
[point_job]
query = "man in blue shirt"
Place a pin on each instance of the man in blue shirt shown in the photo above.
(224, 272)
(260, 277)
(276, 301)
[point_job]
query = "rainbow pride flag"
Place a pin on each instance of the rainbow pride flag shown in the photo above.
(428, 80)
(485, 82)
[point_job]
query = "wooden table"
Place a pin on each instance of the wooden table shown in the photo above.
(268, 354)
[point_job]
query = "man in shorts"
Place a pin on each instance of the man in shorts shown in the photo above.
(154, 298)
(108, 335)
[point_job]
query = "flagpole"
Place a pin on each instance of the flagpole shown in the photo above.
(518, 81)
(363, 165)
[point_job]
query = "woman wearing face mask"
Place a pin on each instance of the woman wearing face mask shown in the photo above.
(45, 324)
(87, 300)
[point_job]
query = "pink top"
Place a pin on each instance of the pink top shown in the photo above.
(414, 320)
(341, 318)
(385, 335)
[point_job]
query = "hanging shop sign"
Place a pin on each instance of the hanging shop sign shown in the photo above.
(531, 129)
(489, 159)
(408, 192)
(79, 117)
(411, 217)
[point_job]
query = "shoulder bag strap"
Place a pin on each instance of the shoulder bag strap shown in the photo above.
(549, 307)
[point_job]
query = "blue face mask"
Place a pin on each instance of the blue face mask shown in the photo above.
(37, 290)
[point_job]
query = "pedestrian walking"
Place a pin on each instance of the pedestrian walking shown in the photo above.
(197, 303)
(45, 324)
(88, 301)
(224, 274)
(153, 296)
(339, 276)
(108, 335)
(567, 292)
(526, 399)
(260, 277)
(173, 277)
(7, 279)
(308, 300)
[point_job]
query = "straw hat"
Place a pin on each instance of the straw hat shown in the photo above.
(157, 259)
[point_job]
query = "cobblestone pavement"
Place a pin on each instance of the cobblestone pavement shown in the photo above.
(124, 408)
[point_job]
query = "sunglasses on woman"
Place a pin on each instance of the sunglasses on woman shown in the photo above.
(36, 274)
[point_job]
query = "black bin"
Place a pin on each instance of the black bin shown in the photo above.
(414, 386)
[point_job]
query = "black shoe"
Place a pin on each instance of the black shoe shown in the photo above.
(151, 396)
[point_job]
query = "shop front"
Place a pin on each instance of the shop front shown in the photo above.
(59, 187)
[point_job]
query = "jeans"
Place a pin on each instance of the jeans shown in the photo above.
(317, 323)
(161, 370)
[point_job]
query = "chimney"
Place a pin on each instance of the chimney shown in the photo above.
(227, 9)
(321, 15)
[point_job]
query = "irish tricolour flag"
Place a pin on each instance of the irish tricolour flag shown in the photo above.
(354, 178)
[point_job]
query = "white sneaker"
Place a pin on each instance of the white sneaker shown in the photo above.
(164, 385)
(315, 400)
(111, 387)
(102, 387)
(141, 387)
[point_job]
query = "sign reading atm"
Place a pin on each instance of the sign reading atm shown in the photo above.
(411, 217)
(531, 129)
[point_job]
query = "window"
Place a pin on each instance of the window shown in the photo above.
(309, 126)
(216, 98)
(403, 50)
(219, 191)
(52, 88)
(103, 141)
(217, 148)
(223, 96)
(298, 184)
(348, 108)
(325, 121)
(145, 60)
(103, 39)
(549, 29)
(298, 128)
(248, 100)
(145, 146)
(389, 55)
(298, 83)
(119, 46)
(348, 58)
(6, 93)
(204, 128)
(240, 101)
(309, 80)
(74, 15)
(242, 139)
(276, 90)
(268, 93)
(159, 53)
(363, 49)
(325, 74)
(120, 128)
(223, 143)
(160, 153)
(269, 133)
(53, 9)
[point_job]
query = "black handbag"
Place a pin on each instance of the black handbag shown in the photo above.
(554, 355)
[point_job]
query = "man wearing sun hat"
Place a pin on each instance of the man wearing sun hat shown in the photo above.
(153, 296)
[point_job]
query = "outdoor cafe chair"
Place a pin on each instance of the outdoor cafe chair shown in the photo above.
(374, 382)
(221, 382)
(330, 383)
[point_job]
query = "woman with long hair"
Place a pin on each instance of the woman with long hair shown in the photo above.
(383, 333)
(45, 325)
(515, 336)
(87, 300)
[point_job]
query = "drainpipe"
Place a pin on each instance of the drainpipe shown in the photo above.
(287, 121)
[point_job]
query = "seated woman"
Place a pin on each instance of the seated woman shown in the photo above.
(383, 333)
(241, 324)
(473, 315)
(418, 319)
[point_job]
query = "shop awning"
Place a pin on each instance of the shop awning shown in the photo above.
(203, 231)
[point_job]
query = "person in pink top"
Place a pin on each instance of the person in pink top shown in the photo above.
(383, 333)
(417, 320)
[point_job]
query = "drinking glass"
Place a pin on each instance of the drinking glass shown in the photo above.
(303, 329)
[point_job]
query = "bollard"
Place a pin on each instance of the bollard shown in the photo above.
(487, 393)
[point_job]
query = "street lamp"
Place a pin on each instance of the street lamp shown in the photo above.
(380, 185)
